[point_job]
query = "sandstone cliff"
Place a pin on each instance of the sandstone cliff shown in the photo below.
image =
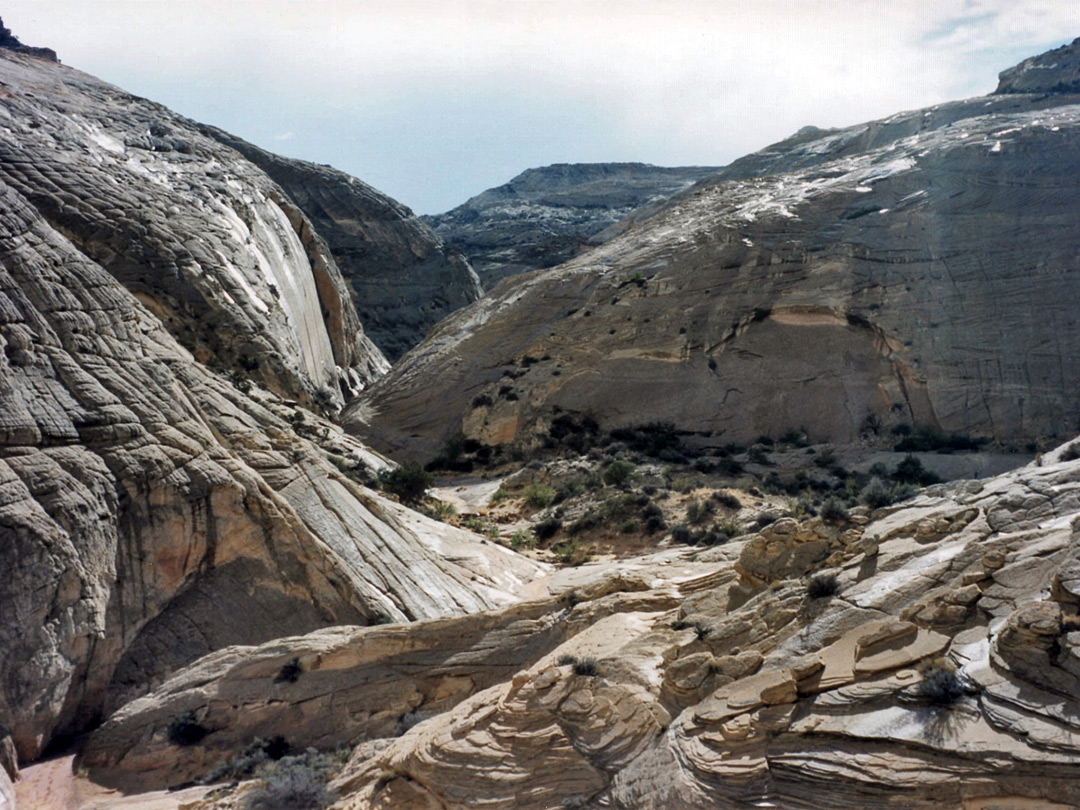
(200, 235)
(152, 510)
(403, 278)
(920, 268)
(916, 656)
(546, 216)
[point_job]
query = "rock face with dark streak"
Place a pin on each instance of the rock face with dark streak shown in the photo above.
(403, 278)
(1056, 71)
(546, 216)
(920, 269)
(151, 511)
(200, 235)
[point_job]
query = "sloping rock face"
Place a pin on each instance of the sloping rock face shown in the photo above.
(546, 216)
(403, 278)
(203, 237)
(150, 511)
(917, 269)
(1056, 71)
(938, 672)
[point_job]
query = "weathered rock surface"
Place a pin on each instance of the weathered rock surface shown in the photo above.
(151, 511)
(200, 235)
(1056, 71)
(403, 278)
(546, 216)
(706, 687)
(918, 269)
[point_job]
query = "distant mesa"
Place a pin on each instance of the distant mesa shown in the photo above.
(1056, 71)
(11, 43)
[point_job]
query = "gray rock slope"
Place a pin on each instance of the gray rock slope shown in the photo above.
(403, 278)
(920, 268)
(546, 216)
(150, 510)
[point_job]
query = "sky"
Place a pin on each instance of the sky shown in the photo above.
(434, 101)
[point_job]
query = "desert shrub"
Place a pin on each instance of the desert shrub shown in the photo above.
(682, 534)
(729, 527)
(538, 495)
(1071, 453)
(701, 630)
(757, 455)
(244, 764)
(911, 471)
(941, 686)
(794, 437)
(698, 511)
(566, 660)
(932, 439)
(822, 586)
(293, 783)
(185, 730)
(825, 459)
(833, 511)
(654, 524)
(878, 494)
(654, 439)
(570, 552)
(290, 671)
(618, 473)
(379, 617)
(584, 523)
(409, 483)
(712, 536)
(522, 539)
(546, 529)
(586, 667)
(482, 401)
(629, 526)
(766, 519)
(727, 500)
(437, 510)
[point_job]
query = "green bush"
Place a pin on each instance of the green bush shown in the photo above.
(522, 539)
(1071, 453)
(833, 511)
(618, 473)
(878, 494)
(243, 765)
(932, 439)
(538, 496)
(410, 482)
(911, 471)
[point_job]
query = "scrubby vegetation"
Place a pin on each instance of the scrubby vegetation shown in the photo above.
(185, 730)
(294, 783)
(409, 482)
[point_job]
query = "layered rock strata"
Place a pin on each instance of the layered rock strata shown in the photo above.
(937, 670)
(151, 510)
(917, 269)
(546, 216)
(203, 237)
(403, 278)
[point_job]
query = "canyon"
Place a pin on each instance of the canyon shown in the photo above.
(221, 367)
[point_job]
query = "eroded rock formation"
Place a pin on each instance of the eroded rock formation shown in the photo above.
(920, 268)
(201, 236)
(546, 216)
(151, 510)
(403, 278)
(937, 670)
